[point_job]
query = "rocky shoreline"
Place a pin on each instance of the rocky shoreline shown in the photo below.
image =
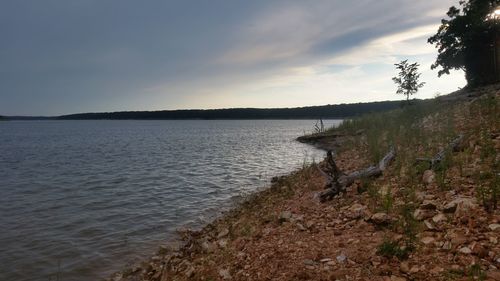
(430, 226)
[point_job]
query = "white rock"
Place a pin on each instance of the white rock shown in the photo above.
(285, 216)
(341, 258)
(439, 218)
(494, 227)
(428, 177)
(223, 233)
(465, 250)
(225, 274)
(427, 240)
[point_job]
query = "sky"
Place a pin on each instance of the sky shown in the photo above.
(70, 56)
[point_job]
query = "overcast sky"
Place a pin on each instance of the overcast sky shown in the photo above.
(69, 56)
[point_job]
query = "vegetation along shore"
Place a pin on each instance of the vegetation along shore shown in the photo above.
(422, 218)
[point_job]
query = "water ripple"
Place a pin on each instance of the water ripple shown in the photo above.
(89, 197)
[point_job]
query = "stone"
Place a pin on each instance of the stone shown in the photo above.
(414, 269)
(380, 218)
(189, 272)
(458, 239)
(447, 246)
(225, 274)
(427, 240)
(494, 227)
(428, 205)
(421, 214)
(309, 262)
(439, 218)
(356, 211)
(222, 243)
(208, 247)
(404, 267)
(493, 275)
(436, 270)
(285, 216)
(301, 227)
(309, 224)
(397, 278)
(341, 258)
(429, 225)
(325, 260)
(223, 233)
(428, 177)
(465, 250)
(466, 203)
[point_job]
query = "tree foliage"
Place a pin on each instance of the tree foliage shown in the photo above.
(465, 41)
(407, 79)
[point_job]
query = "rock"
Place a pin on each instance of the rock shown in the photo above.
(414, 269)
(189, 272)
(356, 211)
(356, 207)
(341, 258)
(428, 205)
(421, 214)
(225, 274)
(429, 225)
(404, 267)
(297, 218)
(447, 246)
(325, 260)
(223, 233)
(466, 203)
(493, 275)
(428, 177)
(222, 243)
(458, 239)
(494, 227)
(208, 247)
(427, 240)
(301, 227)
(436, 270)
(309, 262)
(480, 251)
(380, 218)
(439, 218)
(309, 224)
(420, 196)
(397, 278)
(285, 216)
(465, 250)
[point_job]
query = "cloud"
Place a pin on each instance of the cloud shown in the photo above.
(75, 56)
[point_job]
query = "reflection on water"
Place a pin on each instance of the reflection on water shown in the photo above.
(93, 196)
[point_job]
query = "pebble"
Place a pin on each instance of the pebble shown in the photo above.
(341, 258)
(223, 233)
(494, 227)
(427, 240)
(465, 250)
(225, 274)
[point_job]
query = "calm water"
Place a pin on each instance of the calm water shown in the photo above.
(89, 197)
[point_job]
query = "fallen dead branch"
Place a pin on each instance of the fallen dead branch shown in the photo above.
(337, 181)
(454, 146)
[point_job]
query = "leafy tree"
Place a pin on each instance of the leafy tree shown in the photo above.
(466, 41)
(407, 79)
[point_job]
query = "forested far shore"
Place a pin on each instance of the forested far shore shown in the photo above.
(310, 112)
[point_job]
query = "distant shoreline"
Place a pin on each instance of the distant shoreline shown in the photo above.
(339, 111)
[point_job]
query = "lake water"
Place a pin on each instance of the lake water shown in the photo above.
(85, 198)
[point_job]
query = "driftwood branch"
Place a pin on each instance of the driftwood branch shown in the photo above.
(337, 182)
(454, 146)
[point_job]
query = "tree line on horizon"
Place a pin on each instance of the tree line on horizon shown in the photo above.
(310, 112)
